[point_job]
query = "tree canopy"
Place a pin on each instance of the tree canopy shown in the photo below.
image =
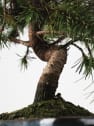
(54, 18)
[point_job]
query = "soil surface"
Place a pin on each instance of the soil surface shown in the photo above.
(56, 107)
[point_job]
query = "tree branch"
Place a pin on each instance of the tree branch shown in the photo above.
(58, 40)
(49, 32)
(79, 48)
(18, 41)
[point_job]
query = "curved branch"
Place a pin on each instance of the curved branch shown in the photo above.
(79, 49)
(18, 41)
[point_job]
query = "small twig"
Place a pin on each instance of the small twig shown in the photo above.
(89, 50)
(79, 48)
(27, 51)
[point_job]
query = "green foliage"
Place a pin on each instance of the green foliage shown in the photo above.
(88, 64)
(24, 60)
(3, 41)
(74, 18)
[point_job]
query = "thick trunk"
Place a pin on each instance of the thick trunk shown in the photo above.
(56, 58)
(48, 82)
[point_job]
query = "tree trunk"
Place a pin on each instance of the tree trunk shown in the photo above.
(48, 82)
(56, 58)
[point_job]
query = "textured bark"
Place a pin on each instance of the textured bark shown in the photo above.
(48, 82)
(41, 48)
(56, 58)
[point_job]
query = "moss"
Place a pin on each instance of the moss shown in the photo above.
(51, 108)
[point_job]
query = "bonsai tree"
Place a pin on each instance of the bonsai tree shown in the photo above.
(49, 23)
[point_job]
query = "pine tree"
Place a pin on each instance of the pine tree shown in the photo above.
(50, 22)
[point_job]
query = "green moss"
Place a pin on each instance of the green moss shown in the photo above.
(51, 108)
